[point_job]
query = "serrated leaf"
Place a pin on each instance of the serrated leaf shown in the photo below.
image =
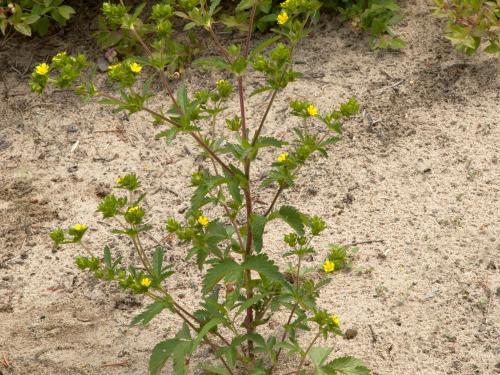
(258, 223)
(178, 349)
(234, 188)
(213, 7)
(157, 265)
(269, 142)
(264, 266)
(151, 311)
(319, 354)
(292, 217)
(182, 98)
(346, 366)
(244, 5)
(212, 62)
(250, 302)
(66, 11)
(107, 257)
(168, 134)
(218, 272)
(160, 355)
(216, 232)
(203, 331)
(263, 45)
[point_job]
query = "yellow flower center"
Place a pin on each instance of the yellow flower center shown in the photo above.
(146, 282)
(80, 227)
(42, 69)
(282, 18)
(328, 266)
(282, 157)
(335, 320)
(133, 210)
(312, 110)
(135, 68)
(203, 220)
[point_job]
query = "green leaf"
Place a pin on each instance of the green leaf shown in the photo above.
(244, 5)
(234, 188)
(292, 217)
(157, 262)
(168, 134)
(213, 7)
(151, 311)
(182, 98)
(263, 45)
(107, 257)
(216, 232)
(178, 349)
(269, 142)
(250, 302)
(216, 370)
(23, 29)
(3, 25)
(346, 366)
(138, 10)
(57, 235)
(264, 266)
(66, 11)
(258, 223)
(211, 62)
(206, 328)
(319, 354)
(218, 272)
(397, 43)
(32, 18)
(239, 65)
(161, 353)
(42, 26)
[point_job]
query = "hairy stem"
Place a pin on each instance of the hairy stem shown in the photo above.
(219, 45)
(250, 28)
(264, 117)
(302, 361)
(285, 334)
(163, 78)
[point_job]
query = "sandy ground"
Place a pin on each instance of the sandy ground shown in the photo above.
(422, 183)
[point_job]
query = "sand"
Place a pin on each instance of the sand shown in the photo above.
(419, 186)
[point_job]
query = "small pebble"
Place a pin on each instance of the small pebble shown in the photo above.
(102, 64)
(350, 333)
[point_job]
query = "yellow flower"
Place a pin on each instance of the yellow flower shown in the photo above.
(312, 110)
(335, 320)
(59, 57)
(203, 220)
(282, 157)
(42, 69)
(328, 266)
(285, 4)
(146, 282)
(135, 68)
(79, 227)
(133, 210)
(113, 67)
(282, 18)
